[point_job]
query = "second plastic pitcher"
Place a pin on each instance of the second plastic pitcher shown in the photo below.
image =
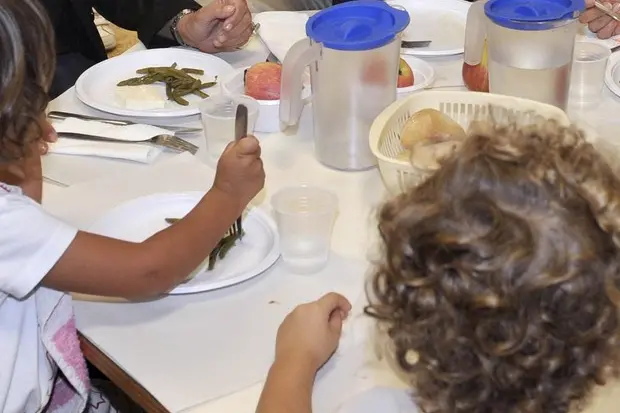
(530, 47)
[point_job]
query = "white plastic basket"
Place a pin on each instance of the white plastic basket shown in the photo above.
(464, 107)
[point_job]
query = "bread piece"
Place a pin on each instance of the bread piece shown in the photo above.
(427, 156)
(429, 125)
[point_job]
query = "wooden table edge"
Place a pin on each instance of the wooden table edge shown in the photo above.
(120, 378)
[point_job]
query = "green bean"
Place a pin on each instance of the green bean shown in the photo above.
(178, 81)
(228, 243)
(200, 93)
(179, 100)
(221, 249)
(191, 71)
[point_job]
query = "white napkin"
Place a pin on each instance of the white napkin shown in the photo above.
(137, 152)
(130, 133)
(280, 30)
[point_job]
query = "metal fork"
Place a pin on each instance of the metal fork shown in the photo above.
(167, 141)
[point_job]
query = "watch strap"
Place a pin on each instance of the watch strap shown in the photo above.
(174, 27)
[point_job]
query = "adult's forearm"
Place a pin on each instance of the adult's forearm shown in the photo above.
(288, 388)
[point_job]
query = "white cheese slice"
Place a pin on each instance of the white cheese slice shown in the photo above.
(144, 97)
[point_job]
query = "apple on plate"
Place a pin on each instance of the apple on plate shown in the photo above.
(405, 74)
(476, 77)
(262, 81)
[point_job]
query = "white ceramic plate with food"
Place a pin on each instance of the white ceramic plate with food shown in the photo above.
(97, 87)
(423, 76)
(140, 218)
(612, 74)
(440, 21)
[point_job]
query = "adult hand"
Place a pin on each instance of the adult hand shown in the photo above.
(309, 335)
(240, 172)
(600, 23)
(220, 26)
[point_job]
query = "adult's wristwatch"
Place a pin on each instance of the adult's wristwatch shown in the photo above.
(174, 26)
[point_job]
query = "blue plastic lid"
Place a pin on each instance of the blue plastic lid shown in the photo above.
(532, 14)
(357, 25)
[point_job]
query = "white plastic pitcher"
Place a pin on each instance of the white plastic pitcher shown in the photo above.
(353, 52)
(530, 46)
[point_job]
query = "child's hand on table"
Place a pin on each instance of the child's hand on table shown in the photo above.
(310, 333)
(306, 339)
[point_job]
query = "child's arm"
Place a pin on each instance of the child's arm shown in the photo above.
(94, 264)
(306, 339)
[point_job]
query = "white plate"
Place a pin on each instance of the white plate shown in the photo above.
(97, 86)
(612, 74)
(423, 76)
(440, 21)
(140, 218)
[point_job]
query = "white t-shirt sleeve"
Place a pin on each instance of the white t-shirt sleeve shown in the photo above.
(31, 242)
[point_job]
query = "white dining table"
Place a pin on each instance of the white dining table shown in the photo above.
(137, 335)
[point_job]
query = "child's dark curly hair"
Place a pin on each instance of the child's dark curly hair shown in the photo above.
(501, 274)
(27, 62)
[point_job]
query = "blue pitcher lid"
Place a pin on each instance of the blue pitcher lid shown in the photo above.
(357, 25)
(531, 14)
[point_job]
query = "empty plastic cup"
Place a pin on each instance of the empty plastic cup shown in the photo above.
(218, 121)
(588, 73)
(305, 216)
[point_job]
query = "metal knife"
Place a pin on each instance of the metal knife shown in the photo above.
(241, 131)
(414, 44)
(64, 115)
(241, 122)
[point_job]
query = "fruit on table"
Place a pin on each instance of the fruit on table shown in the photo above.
(405, 74)
(262, 81)
(476, 77)
(428, 136)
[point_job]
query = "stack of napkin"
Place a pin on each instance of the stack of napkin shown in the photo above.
(139, 150)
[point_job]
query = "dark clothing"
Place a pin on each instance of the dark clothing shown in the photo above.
(78, 43)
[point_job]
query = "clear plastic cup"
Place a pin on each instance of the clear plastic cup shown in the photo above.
(588, 73)
(305, 217)
(218, 121)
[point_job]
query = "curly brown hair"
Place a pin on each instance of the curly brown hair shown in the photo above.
(501, 274)
(26, 70)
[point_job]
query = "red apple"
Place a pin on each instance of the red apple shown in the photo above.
(262, 81)
(476, 77)
(405, 74)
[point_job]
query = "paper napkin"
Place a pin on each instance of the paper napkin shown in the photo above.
(138, 151)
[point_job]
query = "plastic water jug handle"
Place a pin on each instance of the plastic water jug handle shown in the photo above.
(475, 33)
(302, 54)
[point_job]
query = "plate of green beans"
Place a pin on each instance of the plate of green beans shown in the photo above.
(158, 83)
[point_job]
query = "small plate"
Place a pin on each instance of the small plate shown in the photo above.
(140, 218)
(423, 76)
(97, 86)
(440, 21)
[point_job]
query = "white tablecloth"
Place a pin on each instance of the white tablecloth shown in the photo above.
(137, 335)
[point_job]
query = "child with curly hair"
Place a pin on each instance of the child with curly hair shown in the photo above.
(498, 286)
(41, 257)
